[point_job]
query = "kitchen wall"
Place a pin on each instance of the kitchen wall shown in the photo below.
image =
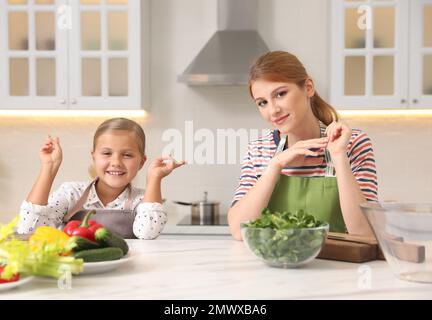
(179, 29)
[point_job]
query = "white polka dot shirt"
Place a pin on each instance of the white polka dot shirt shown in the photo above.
(149, 221)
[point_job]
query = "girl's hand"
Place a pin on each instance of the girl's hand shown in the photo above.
(295, 156)
(51, 153)
(339, 135)
(162, 166)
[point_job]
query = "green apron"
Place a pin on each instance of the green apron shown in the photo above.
(317, 196)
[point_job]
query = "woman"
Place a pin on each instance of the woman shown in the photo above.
(287, 170)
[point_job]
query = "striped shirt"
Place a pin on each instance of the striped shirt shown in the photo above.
(261, 151)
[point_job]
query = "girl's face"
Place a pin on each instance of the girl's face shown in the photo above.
(116, 158)
(283, 104)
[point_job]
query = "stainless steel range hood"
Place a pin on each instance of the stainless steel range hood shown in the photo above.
(228, 55)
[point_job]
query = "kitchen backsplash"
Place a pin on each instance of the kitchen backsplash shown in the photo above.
(401, 151)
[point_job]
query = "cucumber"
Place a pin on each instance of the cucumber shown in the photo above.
(101, 254)
(108, 239)
(77, 243)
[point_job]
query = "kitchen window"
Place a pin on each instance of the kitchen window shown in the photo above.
(381, 54)
(70, 54)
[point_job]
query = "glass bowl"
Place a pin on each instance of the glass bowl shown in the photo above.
(286, 248)
(404, 233)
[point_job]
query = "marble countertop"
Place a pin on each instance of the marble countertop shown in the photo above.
(217, 267)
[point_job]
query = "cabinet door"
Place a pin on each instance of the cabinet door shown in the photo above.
(105, 55)
(369, 54)
(33, 55)
(421, 54)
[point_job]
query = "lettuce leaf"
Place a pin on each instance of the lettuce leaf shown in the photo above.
(18, 257)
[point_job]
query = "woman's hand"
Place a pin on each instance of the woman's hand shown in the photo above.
(51, 153)
(300, 154)
(162, 166)
(339, 135)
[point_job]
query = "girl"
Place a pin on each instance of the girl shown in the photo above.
(311, 161)
(118, 154)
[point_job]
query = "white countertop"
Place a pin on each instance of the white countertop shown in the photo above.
(217, 267)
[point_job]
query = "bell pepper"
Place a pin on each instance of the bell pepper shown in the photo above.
(85, 228)
(15, 276)
(48, 235)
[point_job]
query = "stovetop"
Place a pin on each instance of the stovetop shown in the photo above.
(185, 226)
(187, 221)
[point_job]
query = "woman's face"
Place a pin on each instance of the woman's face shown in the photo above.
(117, 158)
(283, 104)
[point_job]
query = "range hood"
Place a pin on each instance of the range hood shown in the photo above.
(228, 55)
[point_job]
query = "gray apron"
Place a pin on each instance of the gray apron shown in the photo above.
(117, 221)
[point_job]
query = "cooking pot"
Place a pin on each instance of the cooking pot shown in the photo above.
(203, 212)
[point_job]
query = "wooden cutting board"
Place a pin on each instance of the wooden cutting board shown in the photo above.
(358, 249)
(350, 248)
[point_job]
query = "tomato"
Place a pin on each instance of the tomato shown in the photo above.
(15, 277)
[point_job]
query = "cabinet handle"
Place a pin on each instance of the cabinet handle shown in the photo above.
(73, 101)
(403, 101)
(62, 101)
(415, 100)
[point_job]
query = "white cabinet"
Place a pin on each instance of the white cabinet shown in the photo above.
(420, 82)
(381, 54)
(71, 54)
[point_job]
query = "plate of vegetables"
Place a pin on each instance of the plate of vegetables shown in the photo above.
(108, 252)
(50, 251)
(100, 249)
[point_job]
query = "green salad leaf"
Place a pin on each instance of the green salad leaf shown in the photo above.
(284, 238)
(285, 220)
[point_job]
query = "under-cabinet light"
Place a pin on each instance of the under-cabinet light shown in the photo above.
(388, 113)
(73, 113)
